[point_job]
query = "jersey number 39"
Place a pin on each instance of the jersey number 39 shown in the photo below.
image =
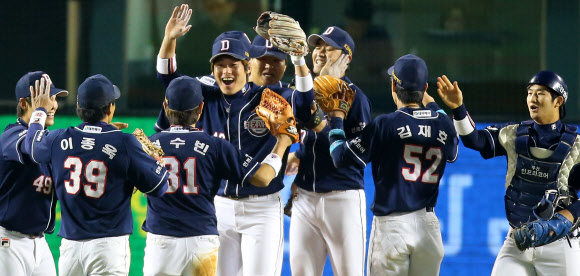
(95, 173)
(413, 155)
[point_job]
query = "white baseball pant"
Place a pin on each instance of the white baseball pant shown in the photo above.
(405, 244)
(557, 258)
(22, 255)
(251, 235)
(103, 256)
(188, 256)
(332, 224)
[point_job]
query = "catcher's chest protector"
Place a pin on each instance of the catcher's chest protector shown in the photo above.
(534, 176)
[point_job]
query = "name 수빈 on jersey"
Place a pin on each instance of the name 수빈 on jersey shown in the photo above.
(200, 147)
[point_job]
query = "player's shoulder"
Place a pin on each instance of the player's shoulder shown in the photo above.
(13, 131)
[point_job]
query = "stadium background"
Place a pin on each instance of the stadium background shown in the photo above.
(491, 47)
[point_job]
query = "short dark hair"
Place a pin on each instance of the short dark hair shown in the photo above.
(182, 118)
(555, 95)
(93, 115)
(19, 110)
(409, 97)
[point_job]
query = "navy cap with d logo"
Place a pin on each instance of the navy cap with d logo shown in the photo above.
(235, 44)
(24, 83)
(96, 92)
(410, 72)
(271, 50)
(335, 37)
(183, 93)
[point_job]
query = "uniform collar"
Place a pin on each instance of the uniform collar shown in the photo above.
(22, 122)
(549, 128)
(96, 127)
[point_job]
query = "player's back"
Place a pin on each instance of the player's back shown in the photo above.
(95, 167)
(192, 161)
(409, 157)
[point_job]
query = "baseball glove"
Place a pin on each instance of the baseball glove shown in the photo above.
(148, 146)
(541, 232)
(277, 114)
(333, 94)
(284, 32)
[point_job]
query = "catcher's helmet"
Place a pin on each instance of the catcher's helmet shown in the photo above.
(555, 83)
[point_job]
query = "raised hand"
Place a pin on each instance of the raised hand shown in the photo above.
(177, 24)
(449, 92)
(336, 68)
(40, 94)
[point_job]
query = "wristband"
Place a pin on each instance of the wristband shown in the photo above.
(166, 66)
(274, 160)
(304, 84)
(298, 60)
(38, 116)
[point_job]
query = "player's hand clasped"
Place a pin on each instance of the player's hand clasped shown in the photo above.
(333, 94)
(277, 114)
(542, 232)
(284, 32)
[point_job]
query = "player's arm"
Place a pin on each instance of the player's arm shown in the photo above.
(239, 167)
(485, 141)
(429, 102)
(176, 27)
(37, 144)
(272, 164)
(354, 152)
(147, 174)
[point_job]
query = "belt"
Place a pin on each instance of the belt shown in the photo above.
(22, 235)
(430, 209)
(237, 197)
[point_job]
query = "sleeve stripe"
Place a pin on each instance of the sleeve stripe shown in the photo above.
(492, 141)
(359, 159)
(160, 182)
(246, 176)
(32, 147)
(18, 151)
(464, 126)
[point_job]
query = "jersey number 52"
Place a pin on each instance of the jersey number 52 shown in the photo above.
(413, 155)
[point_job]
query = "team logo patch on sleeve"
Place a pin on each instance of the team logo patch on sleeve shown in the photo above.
(5, 242)
(256, 126)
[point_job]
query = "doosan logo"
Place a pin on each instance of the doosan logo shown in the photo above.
(256, 126)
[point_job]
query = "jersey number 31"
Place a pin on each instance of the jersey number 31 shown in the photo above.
(413, 155)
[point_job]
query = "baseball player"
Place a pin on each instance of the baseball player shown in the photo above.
(409, 149)
(27, 199)
(94, 168)
(250, 221)
(182, 236)
(328, 206)
(542, 178)
(269, 68)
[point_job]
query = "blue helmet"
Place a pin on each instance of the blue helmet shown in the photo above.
(555, 83)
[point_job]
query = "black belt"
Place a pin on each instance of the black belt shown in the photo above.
(430, 209)
(236, 197)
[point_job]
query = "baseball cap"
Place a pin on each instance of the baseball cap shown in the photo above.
(235, 44)
(271, 50)
(335, 37)
(410, 72)
(183, 93)
(24, 83)
(97, 91)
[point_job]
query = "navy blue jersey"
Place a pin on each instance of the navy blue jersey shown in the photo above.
(196, 162)
(27, 198)
(316, 172)
(501, 140)
(408, 150)
(234, 118)
(94, 168)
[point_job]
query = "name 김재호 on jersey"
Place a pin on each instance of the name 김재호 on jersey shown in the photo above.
(424, 130)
